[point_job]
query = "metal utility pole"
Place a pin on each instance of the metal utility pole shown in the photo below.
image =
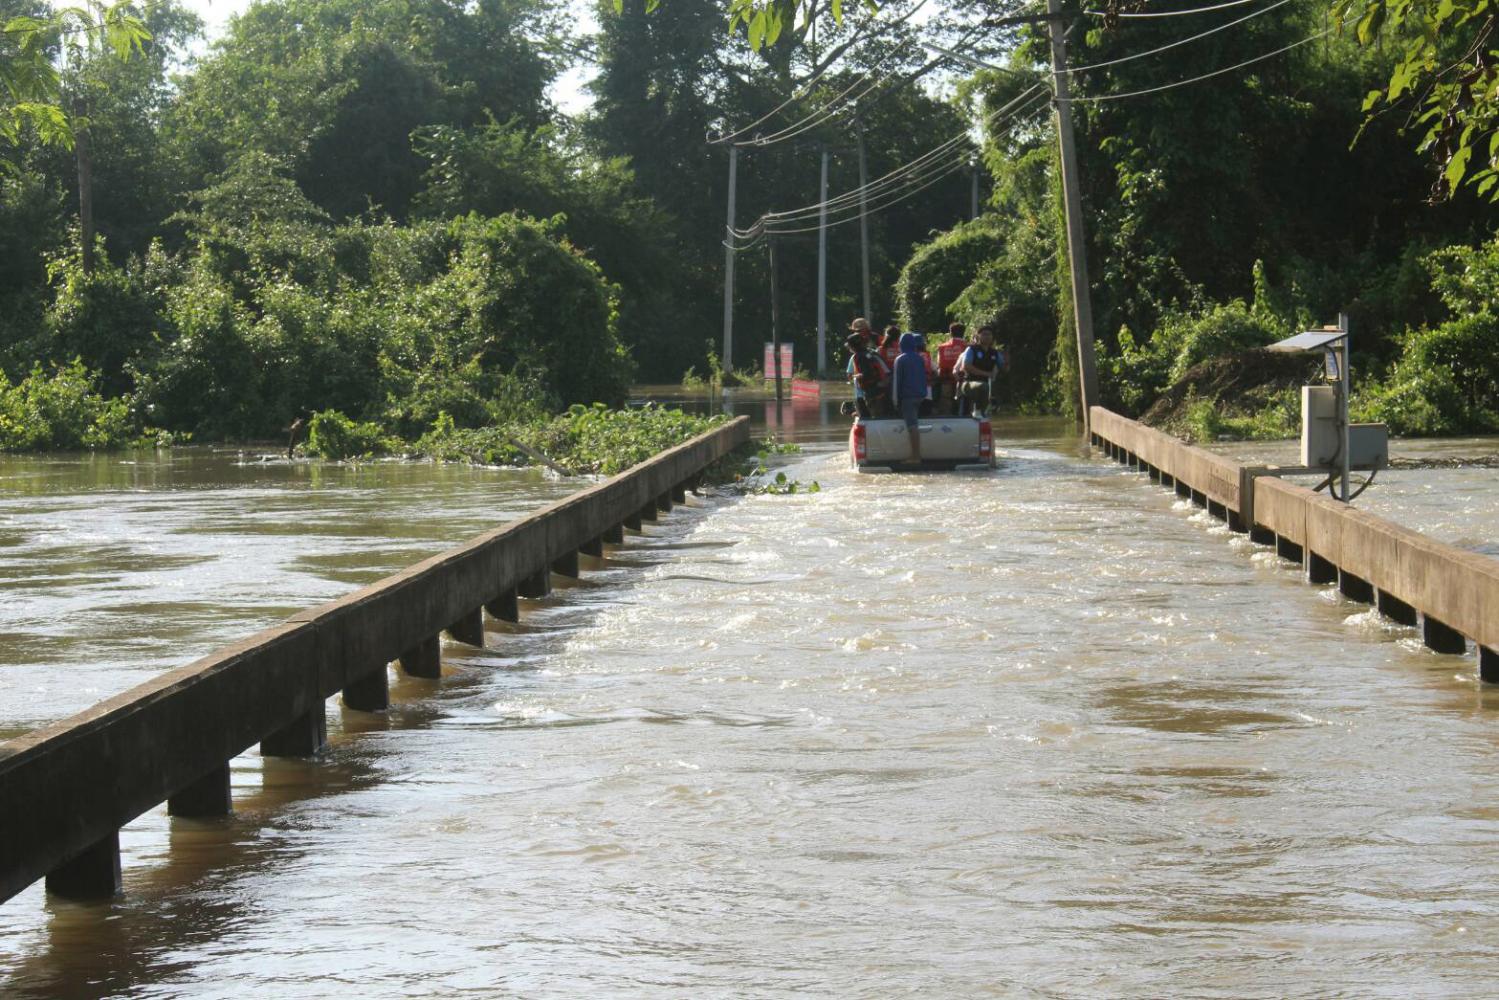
(864, 222)
(728, 265)
(973, 209)
(84, 154)
(1077, 246)
(775, 319)
(822, 271)
(1345, 386)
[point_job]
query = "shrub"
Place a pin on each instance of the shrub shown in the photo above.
(938, 272)
(1446, 381)
(60, 411)
(330, 434)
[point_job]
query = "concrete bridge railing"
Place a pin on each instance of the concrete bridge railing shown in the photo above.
(1450, 593)
(68, 788)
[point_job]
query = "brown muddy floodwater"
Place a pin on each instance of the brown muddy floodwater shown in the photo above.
(1042, 732)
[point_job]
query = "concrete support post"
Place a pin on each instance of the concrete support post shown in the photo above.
(1319, 570)
(615, 535)
(94, 874)
(632, 521)
(303, 738)
(370, 693)
(1488, 665)
(1395, 609)
(424, 659)
(208, 796)
(1441, 637)
(506, 607)
(648, 512)
(566, 565)
(1355, 588)
(1261, 536)
(679, 493)
(537, 585)
(469, 628)
(1287, 549)
(593, 547)
(663, 502)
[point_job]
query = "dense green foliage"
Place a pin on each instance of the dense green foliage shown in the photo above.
(372, 208)
(582, 439)
(61, 410)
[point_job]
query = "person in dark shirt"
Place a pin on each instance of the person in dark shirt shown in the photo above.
(865, 373)
(976, 370)
(910, 388)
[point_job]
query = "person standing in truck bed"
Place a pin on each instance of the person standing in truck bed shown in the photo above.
(909, 389)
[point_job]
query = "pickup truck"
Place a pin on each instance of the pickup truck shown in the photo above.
(946, 443)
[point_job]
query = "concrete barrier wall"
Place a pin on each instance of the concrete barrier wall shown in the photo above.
(66, 789)
(1451, 593)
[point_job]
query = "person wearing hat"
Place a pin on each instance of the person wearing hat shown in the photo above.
(865, 373)
(877, 392)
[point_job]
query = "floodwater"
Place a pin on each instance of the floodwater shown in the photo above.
(1044, 732)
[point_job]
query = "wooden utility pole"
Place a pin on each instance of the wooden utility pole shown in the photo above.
(775, 320)
(864, 222)
(822, 271)
(728, 265)
(1077, 245)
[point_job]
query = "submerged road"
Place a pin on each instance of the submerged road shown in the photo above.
(1045, 732)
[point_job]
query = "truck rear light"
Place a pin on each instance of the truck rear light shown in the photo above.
(860, 443)
(986, 439)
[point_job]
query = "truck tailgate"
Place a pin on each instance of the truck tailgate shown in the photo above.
(948, 440)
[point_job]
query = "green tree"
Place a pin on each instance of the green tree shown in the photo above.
(335, 89)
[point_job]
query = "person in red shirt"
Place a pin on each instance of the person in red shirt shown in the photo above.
(890, 346)
(947, 359)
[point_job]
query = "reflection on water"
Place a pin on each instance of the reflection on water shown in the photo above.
(1043, 732)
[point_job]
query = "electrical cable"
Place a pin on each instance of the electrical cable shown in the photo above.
(1098, 98)
(1171, 13)
(764, 227)
(1014, 107)
(806, 88)
(1179, 42)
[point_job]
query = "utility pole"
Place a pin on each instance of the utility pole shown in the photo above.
(864, 221)
(1077, 246)
(775, 319)
(973, 208)
(85, 157)
(822, 271)
(728, 265)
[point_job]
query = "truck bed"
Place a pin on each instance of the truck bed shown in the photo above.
(946, 443)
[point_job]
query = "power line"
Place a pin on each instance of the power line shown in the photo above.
(1170, 13)
(928, 168)
(1012, 108)
(1097, 98)
(806, 88)
(1179, 41)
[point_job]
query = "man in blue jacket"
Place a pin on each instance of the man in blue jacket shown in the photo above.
(908, 388)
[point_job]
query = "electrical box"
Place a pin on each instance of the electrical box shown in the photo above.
(1320, 440)
(1368, 446)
